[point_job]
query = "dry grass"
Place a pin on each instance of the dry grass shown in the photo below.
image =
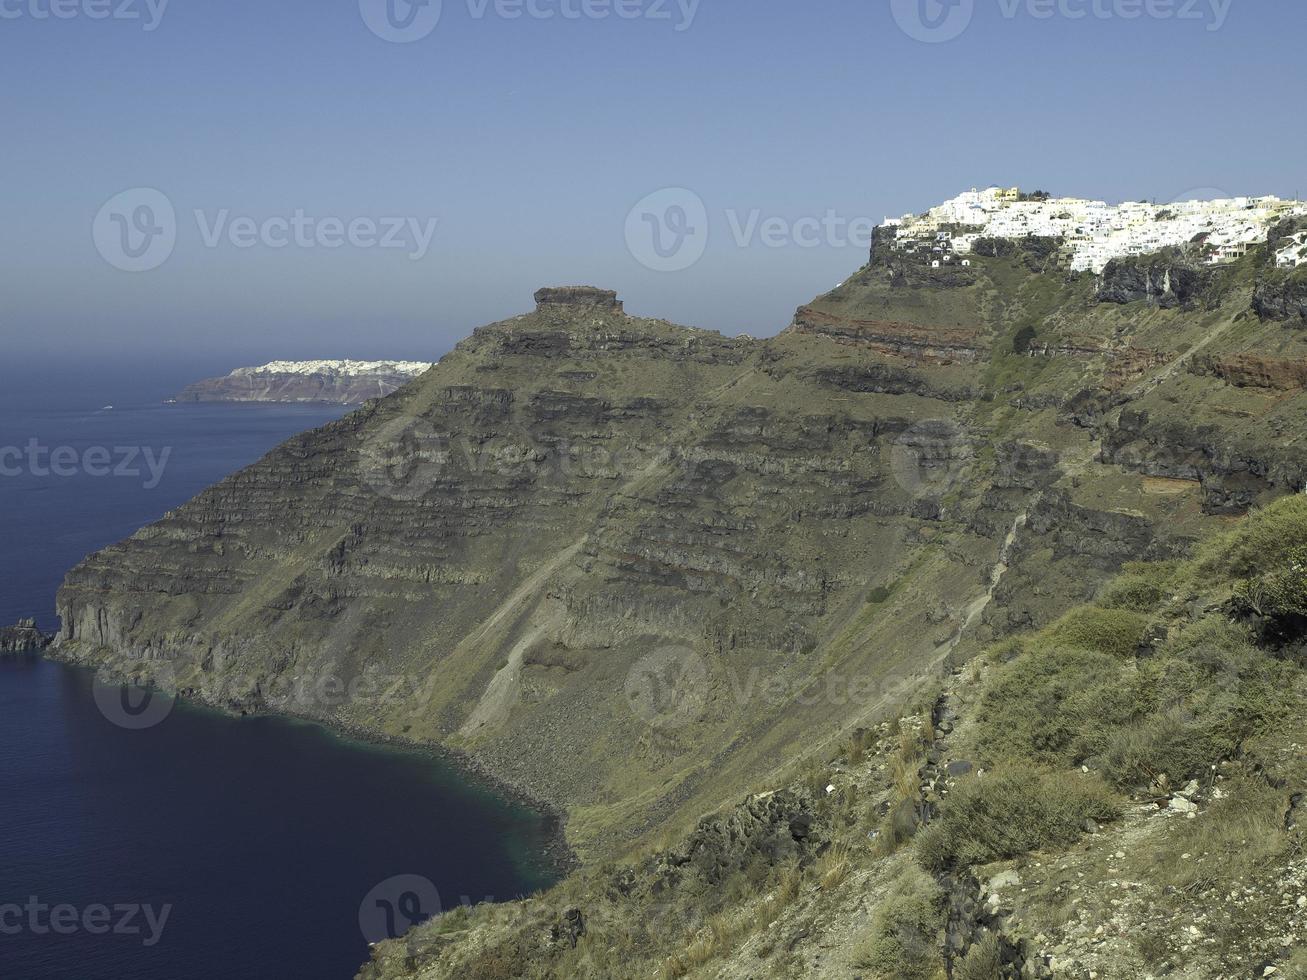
(717, 938)
(903, 817)
(781, 897)
(1238, 837)
(834, 866)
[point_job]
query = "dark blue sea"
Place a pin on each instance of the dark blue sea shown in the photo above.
(204, 847)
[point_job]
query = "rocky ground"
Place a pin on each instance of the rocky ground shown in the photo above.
(832, 875)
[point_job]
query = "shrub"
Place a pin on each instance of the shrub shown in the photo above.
(1012, 812)
(1278, 595)
(1266, 538)
(1142, 587)
(1118, 632)
(904, 813)
(1053, 706)
(905, 938)
(1228, 689)
(984, 961)
(1170, 743)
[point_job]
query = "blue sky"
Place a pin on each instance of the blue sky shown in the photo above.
(528, 140)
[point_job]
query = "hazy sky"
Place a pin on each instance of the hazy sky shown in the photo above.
(529, 139)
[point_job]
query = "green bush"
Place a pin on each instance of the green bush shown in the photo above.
(1004, 814)
(1229, 689)
(1142, 587)
(1054, 706)
(984, 961)
(1180, 747)
(1277, 595)
(1115, 631)
(1178, 713)
(1265, 539)
(905, 939)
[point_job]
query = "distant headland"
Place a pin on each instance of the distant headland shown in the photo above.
(340, 382)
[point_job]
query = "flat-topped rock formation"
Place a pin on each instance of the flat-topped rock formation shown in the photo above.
(578, 296)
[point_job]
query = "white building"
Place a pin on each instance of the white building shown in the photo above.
(1095, 232)
(1294, 254)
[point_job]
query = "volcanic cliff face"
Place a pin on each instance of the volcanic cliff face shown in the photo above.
(635, 568)
(1165, 279)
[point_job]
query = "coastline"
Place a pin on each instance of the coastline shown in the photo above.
(557, 858)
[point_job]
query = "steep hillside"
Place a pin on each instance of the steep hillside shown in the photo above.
(638, 570)
(1119, 795)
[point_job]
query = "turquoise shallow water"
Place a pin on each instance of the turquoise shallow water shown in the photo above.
(246, 847)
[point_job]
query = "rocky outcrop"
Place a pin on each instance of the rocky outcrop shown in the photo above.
(774, 827)
(1164, 279)
(1234, 474)
(23, 637)
(1123, 363)
(1107, 539)
(906, 274)
(1282, 297)
(889, 379)
(937, 345)
(1038, 252)
(883, 238)
(578, 297)
(1253, 371)
(1089, 408)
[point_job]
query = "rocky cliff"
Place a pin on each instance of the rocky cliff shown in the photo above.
(1118, 795)
(23, 637)
(1166, 279)
(639, 570)
(1282, 297)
